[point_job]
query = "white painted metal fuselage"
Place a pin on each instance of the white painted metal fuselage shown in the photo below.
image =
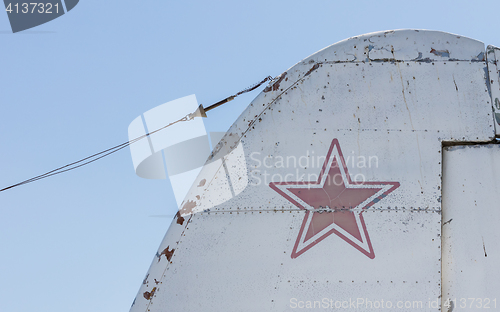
(348, 183)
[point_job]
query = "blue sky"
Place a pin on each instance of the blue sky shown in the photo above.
(83, 240)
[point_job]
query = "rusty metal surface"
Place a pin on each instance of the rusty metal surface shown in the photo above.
(493, 55)
(394, 96)
(471, 239)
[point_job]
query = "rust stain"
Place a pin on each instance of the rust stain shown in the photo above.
(202, 182)
(144, 282)
(168, 253)
(149, 295)
(275, 86)
(180, 219)
(157, 282)
(188, 207)
(316, 66)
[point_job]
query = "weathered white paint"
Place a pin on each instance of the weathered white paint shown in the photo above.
(396, 96)
(493, 55)
(471, 235)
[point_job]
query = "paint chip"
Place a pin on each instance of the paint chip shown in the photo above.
(149, 295)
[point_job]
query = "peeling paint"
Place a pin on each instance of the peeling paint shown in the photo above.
(442, 53)
(168, 253)
(188, 207)
(144, 282)
(180, 219)
(149, 295)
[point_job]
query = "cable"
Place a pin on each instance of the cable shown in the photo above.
(90, 159)
(230, 98)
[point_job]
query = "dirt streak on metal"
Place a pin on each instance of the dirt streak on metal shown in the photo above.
(316, 66)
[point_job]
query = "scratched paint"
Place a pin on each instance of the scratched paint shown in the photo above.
(441, 53)
(167, 253)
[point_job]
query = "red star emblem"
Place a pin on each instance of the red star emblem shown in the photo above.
(334, 204)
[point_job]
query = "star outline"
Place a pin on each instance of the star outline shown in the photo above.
(283, 189)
